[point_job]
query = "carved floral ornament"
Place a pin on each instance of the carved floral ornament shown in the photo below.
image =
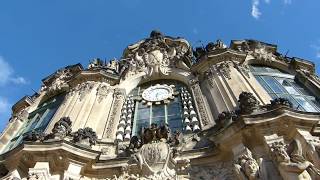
(156, 55)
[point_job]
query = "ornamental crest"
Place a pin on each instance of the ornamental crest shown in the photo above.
(156, 55)
(155, 161)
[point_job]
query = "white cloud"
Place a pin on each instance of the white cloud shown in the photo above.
(19, 80)
(4, 106)
(255, 12)
(7, 74)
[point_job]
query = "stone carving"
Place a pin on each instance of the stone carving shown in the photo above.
(225, 118)
(247, 167)
(62, 128)
(211, 46)
(198, 52)
(244, 68)
(291, 163)
(260, 52)
(154, 153)
(248, 103)
(119, 98)
(85, 136)
(35, 136)
(156, 54)
(197, 94)
(221, 170)
(280, 102)
(59, 82)
(33, 176)
(154, 133)
(96, 63)
(83, 89)
(111, 67)
(102, 92)
(155, 161)
(223, 68)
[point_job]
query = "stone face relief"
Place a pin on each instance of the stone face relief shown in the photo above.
(62, 128)
(247, 168)
(248, 103)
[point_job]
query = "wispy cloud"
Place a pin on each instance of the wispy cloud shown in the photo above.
(255, 12)
(287, 2)
(4, 106)
(7, 74)
(316, 48)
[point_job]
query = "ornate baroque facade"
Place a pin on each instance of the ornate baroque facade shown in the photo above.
(166, 111)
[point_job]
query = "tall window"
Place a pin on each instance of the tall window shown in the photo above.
(280, 84)
(38, 120)
(171, 112)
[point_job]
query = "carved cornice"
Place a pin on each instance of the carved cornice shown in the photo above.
(218, 57)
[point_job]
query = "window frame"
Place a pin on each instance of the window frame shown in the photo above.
(302, 91)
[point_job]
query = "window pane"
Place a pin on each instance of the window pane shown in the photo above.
(300, 88)
(305, 104)
(287, 85)
(175, 124)
(264, 85)
(46, 119)
(158, 111)
(275, 86)
(141, 123)
(295, 104)
(143, 113)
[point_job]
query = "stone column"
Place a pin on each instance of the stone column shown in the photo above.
(114, 116)
(206, 120)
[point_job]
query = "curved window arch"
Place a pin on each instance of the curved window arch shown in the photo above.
(280, 84)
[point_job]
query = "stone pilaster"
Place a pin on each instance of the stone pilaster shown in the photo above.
(118, 100)
(201, 105)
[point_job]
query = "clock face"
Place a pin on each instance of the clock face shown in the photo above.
(157, 93)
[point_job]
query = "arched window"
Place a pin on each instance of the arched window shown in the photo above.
(279, 84)
(159, 102)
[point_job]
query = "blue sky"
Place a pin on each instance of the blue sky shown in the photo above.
(37, 37)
